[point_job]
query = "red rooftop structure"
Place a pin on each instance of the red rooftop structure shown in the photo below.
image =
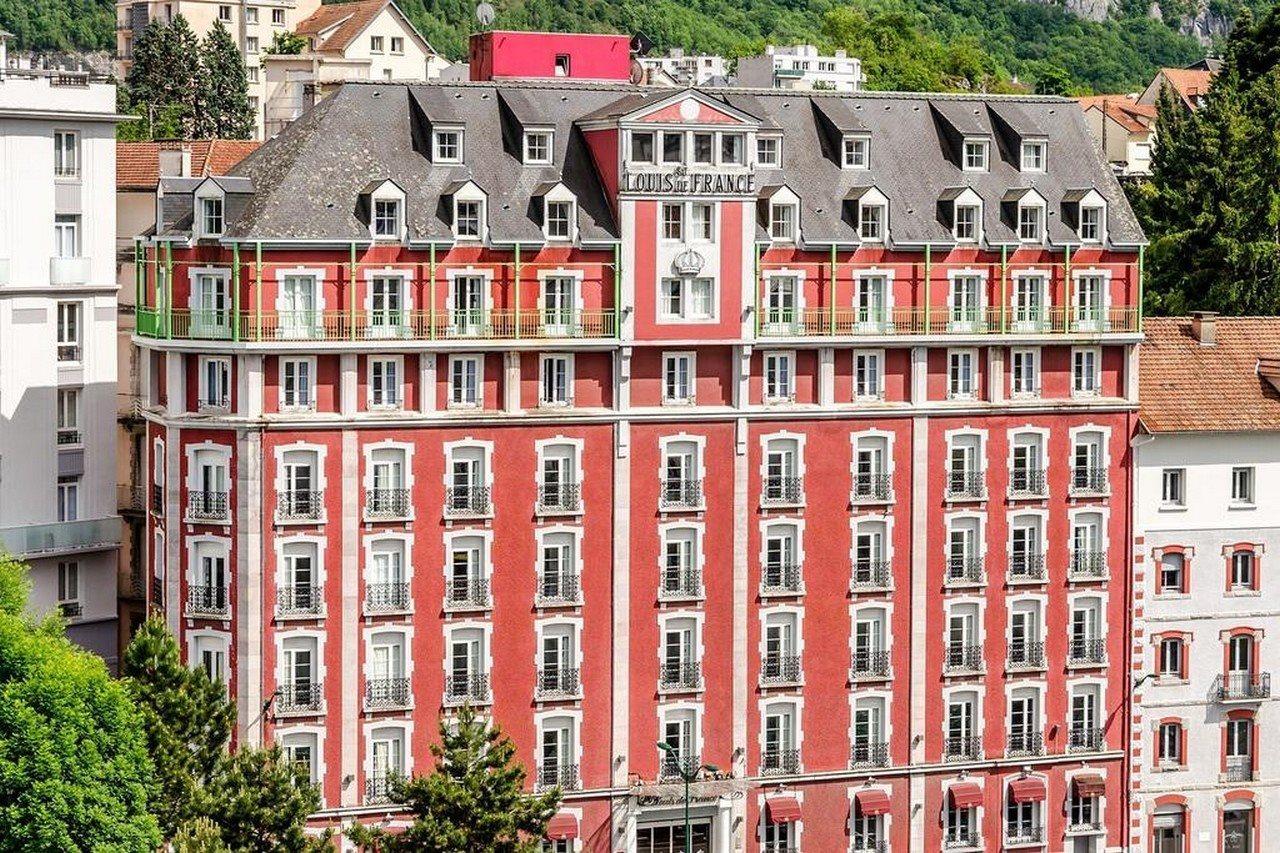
(503, 54)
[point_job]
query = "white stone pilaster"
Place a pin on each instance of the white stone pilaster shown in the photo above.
(349, 578)
(826, 376)
(175, 383)
(919, 375)
(919, 694)
(620, 742)
(741, 595)
(348, 383)
(427, 382)
(511, 383)
(250, 382)
(995, 373)
(249, 581)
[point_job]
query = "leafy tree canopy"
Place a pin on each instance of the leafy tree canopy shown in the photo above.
(286, 43)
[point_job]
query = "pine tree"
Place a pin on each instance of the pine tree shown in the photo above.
(199, 836)
(161, 84)
(223, 104)
(262, 801)
(473, 800)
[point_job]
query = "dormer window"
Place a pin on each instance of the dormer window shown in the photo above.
(975, 155)
(769, 151)
(641, 146)
(871, 221)
(1033, 156)
(211, 216)
(1030, 223)
(559, 224)
(468, 216)
(782, 222)
(448, 146)
(965, 229)
(857, 152)
(537, 147)
(386, 219)
(1091, 224)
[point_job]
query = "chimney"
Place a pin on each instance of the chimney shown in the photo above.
(175, 160)
(1202, 327)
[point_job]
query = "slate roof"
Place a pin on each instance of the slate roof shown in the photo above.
(138, 163)
(1232, 386)
(308, 179)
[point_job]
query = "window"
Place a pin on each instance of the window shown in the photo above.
(210, 654)
(1173, 487)
(1091, 224)
(871, 302)
(962, 374)
(1030, 223)
(1242, 485)
(871, 221)
(448, 146)
(1173, 576)
(296, 383)
(641, 146)
(562, 65)
(211, 216)
(384, 382)
(251, 15)
(688, 299)
(386, 218)
(1244, 575)
(397, 45)
(224, 14)
(69, 586)
(966, 225)
(66, 235)
(704, 149)
(1169, 658)
(300, 750)
(677, 378)
(966, 302)
(467, 219)
(557, 381)
(1169, 744)
(732, 149)
(778, 837)
(251, 44)
(1024, 376)
(975, 155)
(559, 220)
(537, 147)
(702, 221)
(277, 17)
(1085, 372)
(856, 152)
(68, 331)
(68, 416)
(215, 382)
(769, 151)
(375, 44)
(467, 304)
(1033, 159)
(673, 221)
(251, 73)
(464, 381)
(1028, 302)
(779, 377)
(68, 498)
(66, 154)
(870, 482)
(673, 147)
(868, 375)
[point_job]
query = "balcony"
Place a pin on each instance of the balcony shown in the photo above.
(964, 570)
(869, 845)
(1242, 687)
(966, 485)
(679, 766)
(299, 506)
(382, 598)
(61, 537)
(779, 670)
(559, 499)
(1087, 652)
(869, 754)
(871, 576)
(208, 507)
(680, 585)
(130, 499)
(209, 601)
(963, 659)
(70, 609)
(1023, 834)
(1238, 768)
(962, 839)
(562, 776)
(872, 489)
(559, 590)
(1087, 826)
(387, 504)
(1087, 566)
(68, 351)
(384, 694)
(66, 272)
(781, 578)
(157, 498)
(67, 435)
(299, 697)
(292, 601)
(378, 789)
(1088, 480)
(680, 676)
(157, 592)
(1028, 483)
(1023, 744)
(467, 502)
(1028, 654)
(1085, 739)
(869, 665)
(464, 688)
(467, 593)
(968, 748)
(558, 683)
(1027, 568)
(779, 762)
(681, 495)
(782, 491)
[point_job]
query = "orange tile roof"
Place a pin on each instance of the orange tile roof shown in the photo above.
(138, 163)
(1124, 110)
(349, 18)
(1187, 387)
(1189, 83)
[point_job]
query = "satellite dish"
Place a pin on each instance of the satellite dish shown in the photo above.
(485, 14)
(641, 44)
(637, 72)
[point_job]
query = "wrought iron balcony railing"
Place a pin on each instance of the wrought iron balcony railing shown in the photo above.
(559, 498)
(1024, 743)
(157, 498)
(963, 658)
(1087, 652)
(680, 494)
(1246, 686)
(70, 609)
(1088, 479)
(467, 502)
(781, 578)
(872, 488)
(299, 601)
(1027, 483)
(1026, 567)
(1085, 739)
(557, 683)
(208, 601)
(467, 593)
(869, 753)
(463, 688)
(679, 766)
(300, 506)
(556, 775)
(1087, 565)
(299, 697)
(966, 485)
(208, 506)
(964, 748)
(680, 675)
(381, 694)
(780, 669)
(868, 844)
(387, 504)
(782, 491)
(1028, 654)
(871, 575)
(869, 665)
(1023, 833)
(1239, 768)
(964, 569)
(558, 588)
(680, 583)
(961, 839)
(387, 598)
(779, 762)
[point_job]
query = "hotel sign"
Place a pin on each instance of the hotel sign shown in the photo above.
(680, 181)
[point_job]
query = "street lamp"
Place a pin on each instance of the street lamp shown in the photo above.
(687, 775)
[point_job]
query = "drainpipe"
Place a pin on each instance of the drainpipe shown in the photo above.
(834, 277)
(1142, 278)
(1004, 288)
(257, 291)
(352, 285)
(235, 292)
(168, 290)
(431, 266)
(617, 290)
(516, 314)
(928, 285)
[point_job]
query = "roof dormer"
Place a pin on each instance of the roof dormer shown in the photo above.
(845, 136)
(965, 132)
(467, 209)
(1028, 213)
(961, 210)
(779, 212)
(210, 210)
(557, 207)
(382, 207)
(869, 208)
(1085, 212)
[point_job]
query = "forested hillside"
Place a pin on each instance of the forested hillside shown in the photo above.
(913, 44)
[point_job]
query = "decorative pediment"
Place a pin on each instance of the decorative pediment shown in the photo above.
(691, 107)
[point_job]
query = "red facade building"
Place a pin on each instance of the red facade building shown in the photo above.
(789, 430)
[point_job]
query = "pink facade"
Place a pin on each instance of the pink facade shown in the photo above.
(506, 54)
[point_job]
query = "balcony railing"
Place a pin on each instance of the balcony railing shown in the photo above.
(467, 502)
(964, 569)
(966, 485)
(68, 352)
(299, 601)
(781, 578)
(1087, 652)
(961, 839)
(680, 675)
(157, 592)
(967, 748)
(70, 609)
(782, 491)
(680, 494)
(1026, 567)
(871, 575)
(208, 506)
(1022, 744)
(1027, 483)
(1023, 833)
(377, 789)
(1239, 768)
(1026, 655)
(562, 776)
(1242, 686)
(67, 435)
(463, 593)
(208, 601)
(466, 688)
(869, 754)
(680, 583)
(869, 845)
(558, 589)
(387, 598)
(780, 669)
(381, 694)
(557, 683)
(157, 498)
(299, 506)
(679, 766)
(962, 658)
(1088, 480)
(559, 498)
(779, 762)
(872, 488)
(387, 503)
(1085, 739)
(1087, 565)
(299, 697)
(994, 320)
(130, 498)
(869, 665)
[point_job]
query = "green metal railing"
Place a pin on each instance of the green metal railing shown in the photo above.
(939, 320)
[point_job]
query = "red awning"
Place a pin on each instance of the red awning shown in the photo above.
(563, 825)
(966, 795)
(1090, 785)
(872, 801)
(1028, 789)
(783, 809)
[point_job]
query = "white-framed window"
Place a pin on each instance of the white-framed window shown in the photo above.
(68, 416)
(538, 147)
(702, 220)
(975, 155)
(871, 220)
(68, 498)
(1033, 155)
(1030, 223)
(251, 44)
(1086, 372)
(872, 297)
(1173, 487)
(397, 45)
(251, 73)
(868, 375)
(68, 584)
(447, 145)
(782, 221)
(673, 146)
(559, 219)
(672, 221)
(215, 382)
(468, 218)
(688, 299)
(733, 149)
(277, 17)
(769, 151)
(251, 15)
(302, 749)
(209, 652)
(678, 377)
(962, 374)
(556, 380)
(66, 154)
(224, 13)
(967, 301)
(211, 219)
(704, 148)
(641, 146)
(385, 377)
(968, 223)
(466, 375)
(856, 152)
(1242, 484)
(297, 384)
(779, 377)
(376, 44)
(66, 235)
(68, 321)
(387, 218)
(1091, 223)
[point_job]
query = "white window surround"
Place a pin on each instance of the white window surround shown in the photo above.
(784, 273)
(208, 189)
(1104, 434)
(194, 274)
(980, 527)
(977, 605)
(469, 272)
(370, 543)
(666, 617)
(845, 161)
(879, 354)
(793, 611)
(405, 631)
(470, 191)
(400, 382)
(796, 704)
(218, 639)
(1034, 353)
(1041, 147)
(866, 434)
(576, 532)
(439, 133)
(976, 390)
(1042, 273)
(314, 273)
(1096, 379)
(405, 447)
(317, 568)
(951, 692)
(280, 403)
(1018, 517)
(968, 198)
(692, 356)
(389, 190)
(986, 154)
(560, 193)
(468, 443)
(542, 718)
(787, 197)
(861, 694)
(223, 454)
(543, 625)
(1041, 434)
(543, 445)
(1103, 273)
(886, 273)
(564, 272)
(665, 318)
(405, 728)
(790, 356)
(320, 451)
(479, 402)
(219, 544)
(775, 526)
(874, 198)
(288, 732)
(526, 138)
(1032, 199)
(969, 272)
(204, 394)
(405, 275)
(697, 528)
(798, 437)
(1092, 199)
(542, 377)
(318, 635)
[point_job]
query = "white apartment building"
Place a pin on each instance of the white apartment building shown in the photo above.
(677, 68)
(58, 345)
(801, 67)
(1206, 607)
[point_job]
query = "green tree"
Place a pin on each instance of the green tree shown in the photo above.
(286, 43)
(199, 836)
(222, 102)
(474, 799)
(74, 769)
(262, 802)
(163, 81)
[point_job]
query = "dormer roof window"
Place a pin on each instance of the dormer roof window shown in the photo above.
(559, 212)
(965, 208)
(873, 214)
(781, 209)
(856, 152)
(211, 216)
(538, 147)
(1091, 224)
(469, 211)
(1034, 155)
(1088, 209)
(1030, 222)
(384, 204)
(974, 155)
(446, 145)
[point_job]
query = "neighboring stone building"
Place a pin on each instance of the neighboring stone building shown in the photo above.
(1189, 84)
(58, 345)
(677, 68)
(1206, 600)
(802, 67)
(1123, 129)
